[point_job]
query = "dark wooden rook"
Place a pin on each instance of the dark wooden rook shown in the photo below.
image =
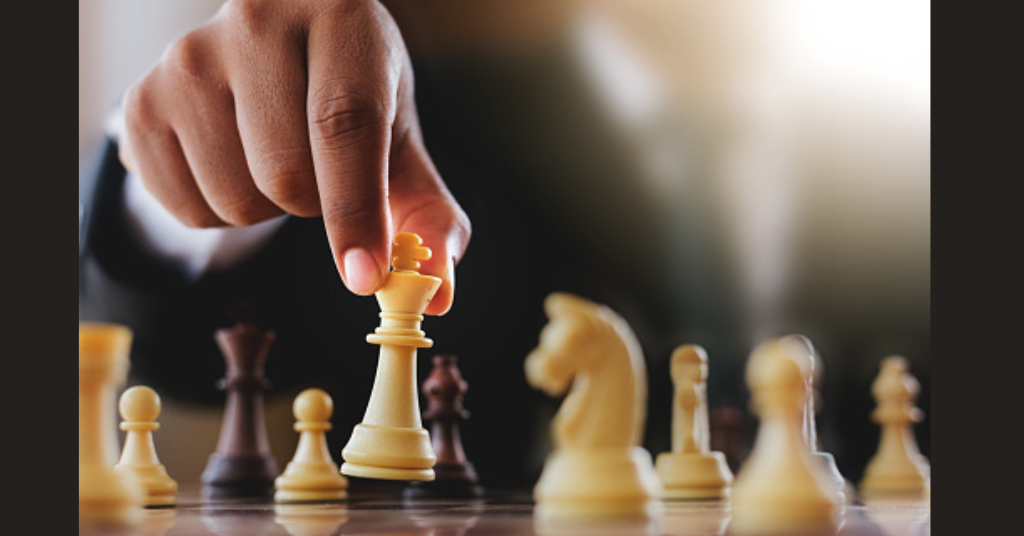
(242, 465)
(455, 475)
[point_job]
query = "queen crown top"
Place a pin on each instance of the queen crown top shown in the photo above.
(407, 251)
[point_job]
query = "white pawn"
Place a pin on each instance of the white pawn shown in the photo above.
(691, 470)
(800, 348)
(782, 487)
(312, 474)
(898, 467)
(140, 407)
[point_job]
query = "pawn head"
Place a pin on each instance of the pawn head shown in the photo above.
(313, 405)
(689, 361)
(895, 365)
(776, 380)
(140, 404)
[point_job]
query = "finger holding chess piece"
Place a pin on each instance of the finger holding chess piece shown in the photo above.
(692, 470)
(391, 443)
(898, 468)
(312, 474)
(140, 407)
(782, 487)
(105, 496)
(455, 476)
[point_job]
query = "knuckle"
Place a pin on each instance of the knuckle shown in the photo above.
(344, 114)
(243, 213)
(198, 219)
(187, 59)
(289, 185)
(139, 112)
(193, 215)
(248, 18)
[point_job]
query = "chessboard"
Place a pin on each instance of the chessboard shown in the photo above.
(597, 480)
(505, 513)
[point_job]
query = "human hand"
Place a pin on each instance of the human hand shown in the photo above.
(302, 107)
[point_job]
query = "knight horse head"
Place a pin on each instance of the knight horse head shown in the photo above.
(591, 347)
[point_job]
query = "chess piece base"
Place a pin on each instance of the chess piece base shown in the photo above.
(694, 476)
(389, 453)
(160, 487)
(601, 482)
(796, 507)
(896, 475)
(451, 481)
(773, 524)
(239, 476)
(901, 485)
(443, 490)
(386, 473)
(108, 497)
(838, 482)
(310, 481)
(303, 496)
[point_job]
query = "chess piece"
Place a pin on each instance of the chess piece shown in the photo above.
(800, 347)
(311, 475)
(105, 496)
(597, 468)
(454, 474)
(391, 443)
(782, 487)
(140, 407)
(898, 468)
(692, 470)
(242, 465)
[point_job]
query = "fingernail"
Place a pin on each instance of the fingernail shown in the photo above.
(362, 275)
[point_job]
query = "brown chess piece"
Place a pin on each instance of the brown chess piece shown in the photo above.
(242, 465)
(455, 475)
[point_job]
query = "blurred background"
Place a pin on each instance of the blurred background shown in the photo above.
(716, 171)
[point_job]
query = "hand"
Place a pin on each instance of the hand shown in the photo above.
(303, 107)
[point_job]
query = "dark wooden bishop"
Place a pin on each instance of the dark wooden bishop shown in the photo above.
(242, 465)
(455, 475)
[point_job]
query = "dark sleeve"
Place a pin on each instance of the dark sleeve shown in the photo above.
(291, 286)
